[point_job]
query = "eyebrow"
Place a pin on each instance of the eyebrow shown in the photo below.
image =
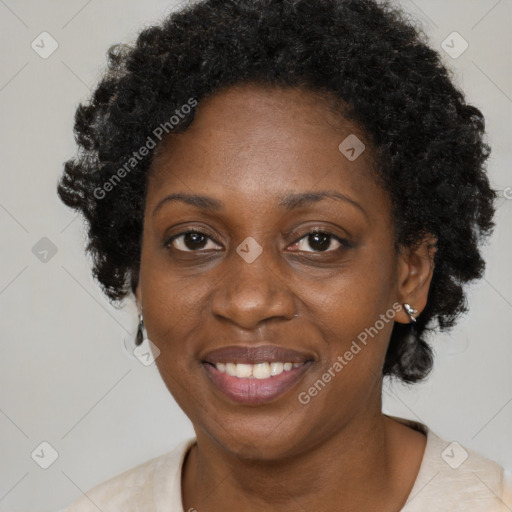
(288, 201)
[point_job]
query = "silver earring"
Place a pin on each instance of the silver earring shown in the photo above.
(140, 331)
(410, 311)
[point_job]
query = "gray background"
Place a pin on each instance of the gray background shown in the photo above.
(65, 375)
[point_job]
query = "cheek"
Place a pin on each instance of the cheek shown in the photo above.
(354, 314)
(171, 311)
(355, 297)
(356, 329)
(356, 333)
(173, 316)
(171, 307)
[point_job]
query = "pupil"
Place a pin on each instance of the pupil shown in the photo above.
(320, 245)
(192, 240)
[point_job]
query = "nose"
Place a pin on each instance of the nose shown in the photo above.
(250, 293)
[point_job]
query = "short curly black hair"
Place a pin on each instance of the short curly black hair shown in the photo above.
(428, 142)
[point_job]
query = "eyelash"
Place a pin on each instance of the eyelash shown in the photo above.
(343, 242)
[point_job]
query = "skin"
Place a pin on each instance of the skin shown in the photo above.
(248, 146)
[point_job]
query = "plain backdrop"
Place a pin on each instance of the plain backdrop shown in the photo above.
(67, 377)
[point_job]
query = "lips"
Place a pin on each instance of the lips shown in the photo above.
(253, 355)
(240, 372)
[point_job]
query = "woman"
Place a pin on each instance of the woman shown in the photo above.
(295, 194)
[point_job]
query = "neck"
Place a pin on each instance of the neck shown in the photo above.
(354, 469)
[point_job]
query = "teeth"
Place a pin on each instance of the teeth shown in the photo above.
(243, 370)
(276, 368)
(256, 371)
(231, 369)
(261, 371)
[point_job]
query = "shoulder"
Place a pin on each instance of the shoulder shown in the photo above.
(151, 486)
(455, 478)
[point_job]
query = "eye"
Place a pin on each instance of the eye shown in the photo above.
(191, 241)
(317, 241)
(320, 241)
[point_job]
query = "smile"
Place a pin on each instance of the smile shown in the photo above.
(263, 370)
(255, 374)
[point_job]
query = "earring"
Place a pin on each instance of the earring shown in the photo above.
(140, 331)
(410, 311)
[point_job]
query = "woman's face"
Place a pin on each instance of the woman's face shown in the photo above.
(257, 281)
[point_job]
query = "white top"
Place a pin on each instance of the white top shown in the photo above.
(451, 478)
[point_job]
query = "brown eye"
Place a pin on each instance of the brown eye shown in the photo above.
(191, 241)
(319, 241)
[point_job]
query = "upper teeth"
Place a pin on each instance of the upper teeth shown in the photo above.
(258, 371)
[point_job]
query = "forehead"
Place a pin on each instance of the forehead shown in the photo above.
(251, 113)
(257, 141)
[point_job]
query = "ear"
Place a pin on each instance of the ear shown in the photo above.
(415, 271)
